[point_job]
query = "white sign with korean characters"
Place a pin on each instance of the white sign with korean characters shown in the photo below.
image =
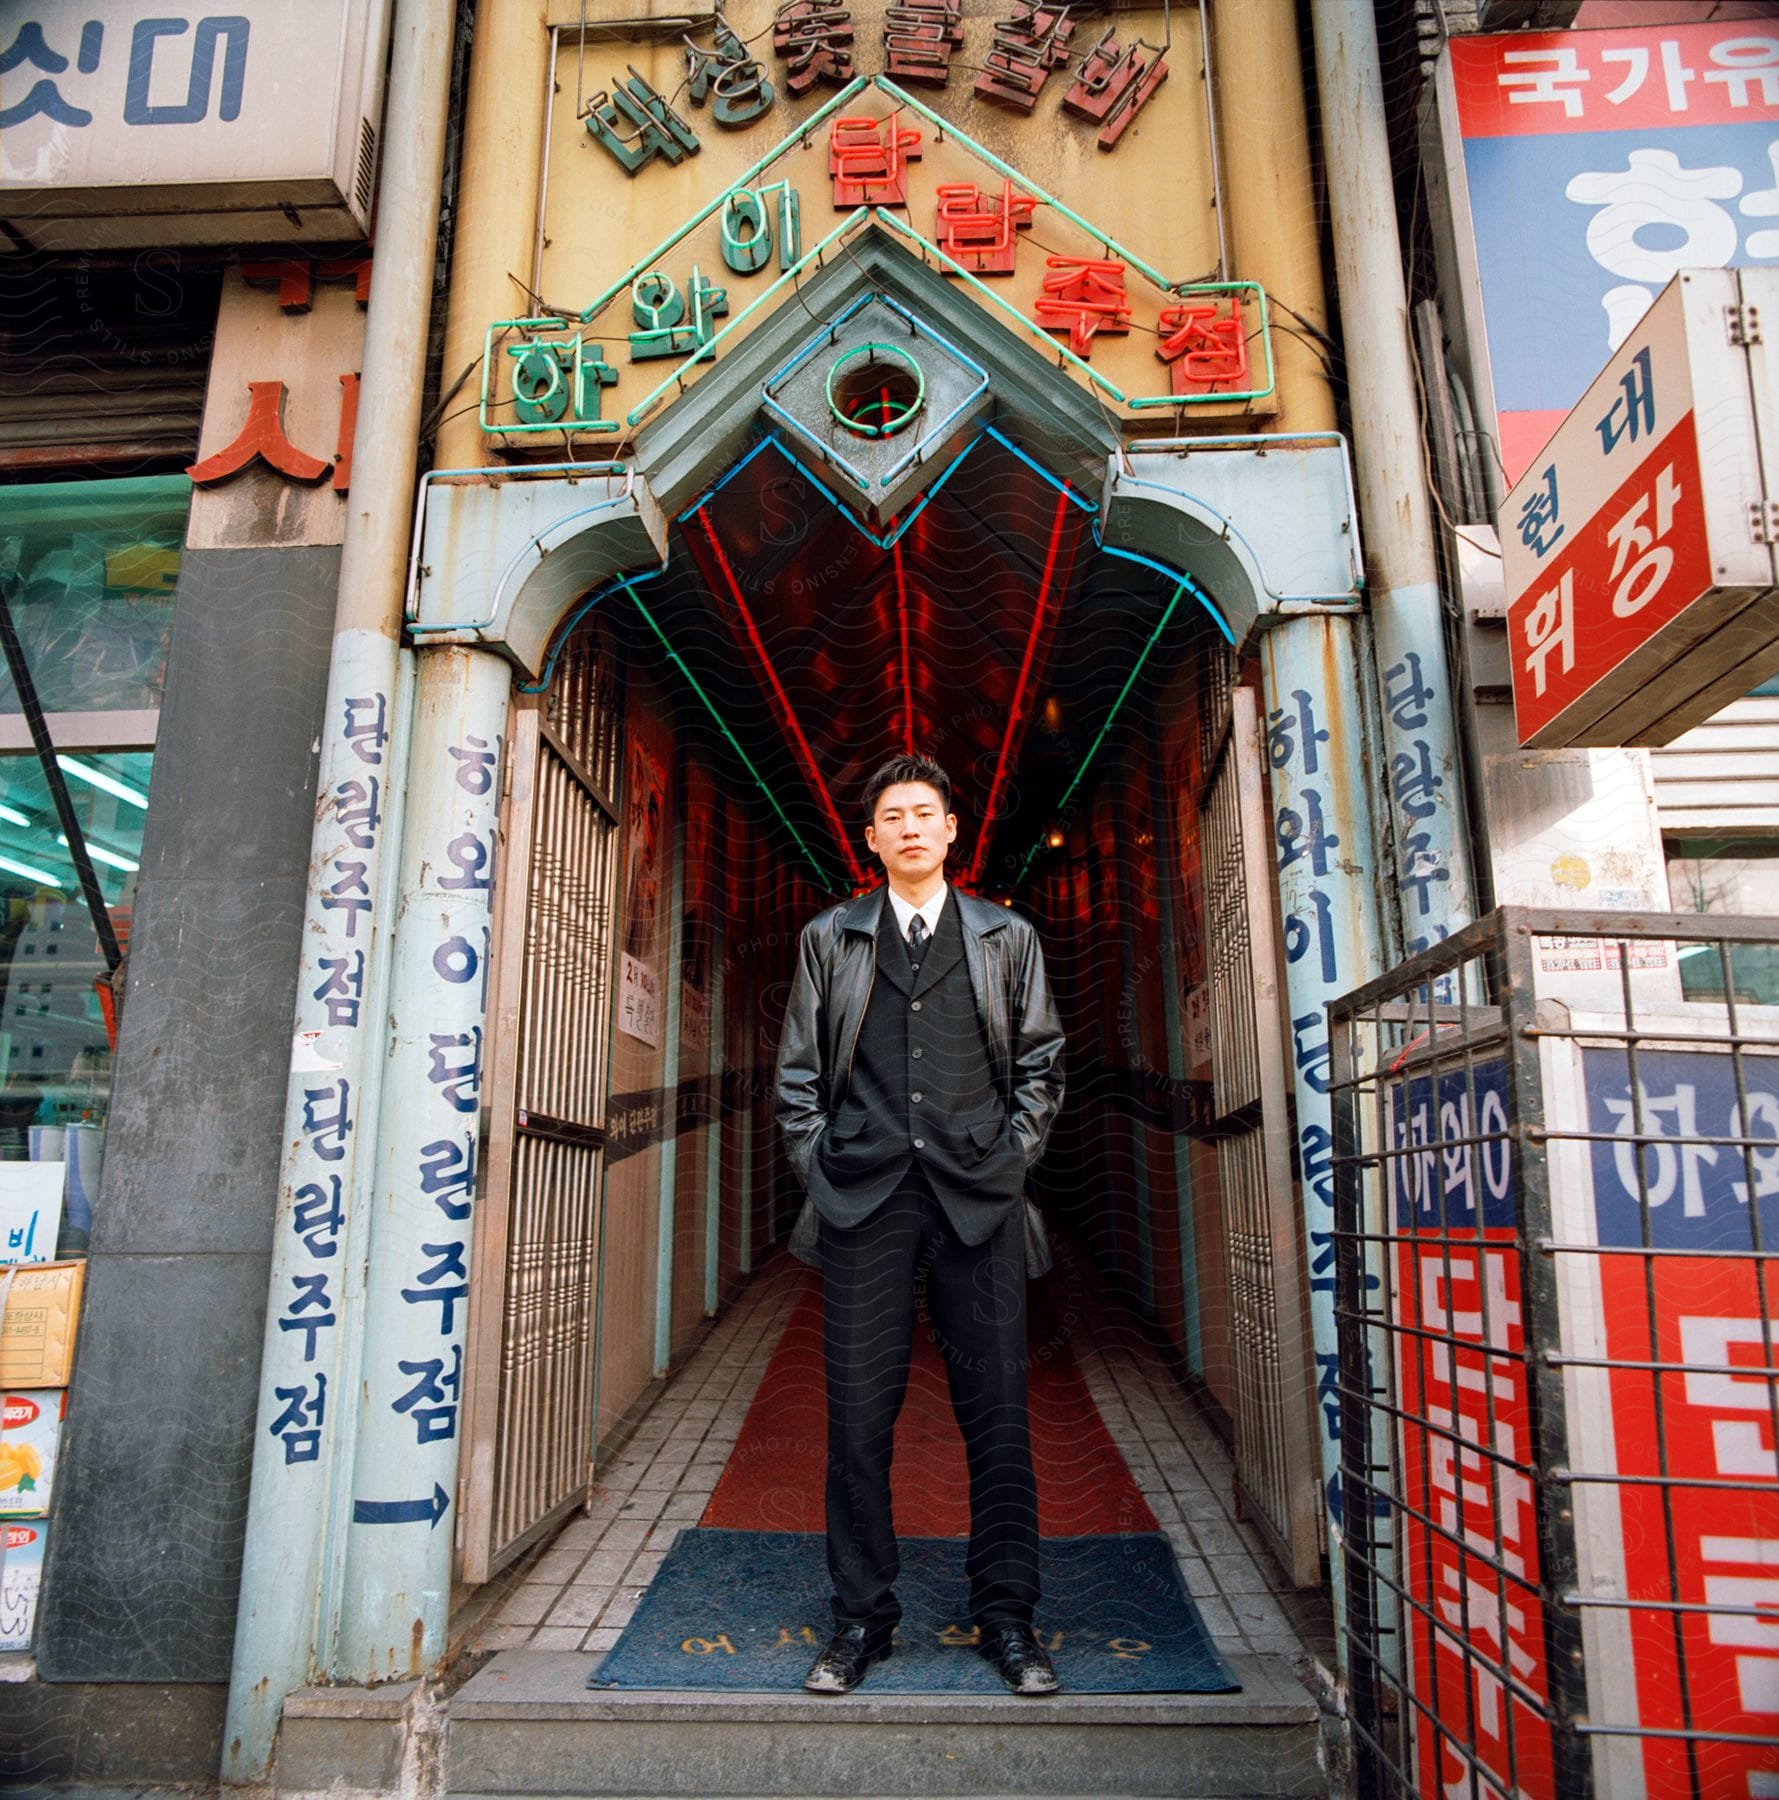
(1637, 549)
(126, 122)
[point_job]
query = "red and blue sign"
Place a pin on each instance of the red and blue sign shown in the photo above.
(1686, 1165)
(1599, 164)
(1470, 1554)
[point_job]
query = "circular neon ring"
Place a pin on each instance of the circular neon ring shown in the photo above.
(901, 360)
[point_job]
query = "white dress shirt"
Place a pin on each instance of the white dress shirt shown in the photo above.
(906, 909)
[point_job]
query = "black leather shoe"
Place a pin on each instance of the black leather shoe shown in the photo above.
(1019, 1659)
(841, 1667)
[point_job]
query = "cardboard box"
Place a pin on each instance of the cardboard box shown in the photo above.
(37, 1329)
(30, 1437)
(20, 1582)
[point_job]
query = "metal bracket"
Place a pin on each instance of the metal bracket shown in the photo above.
(1763, 521)
(1743, 323)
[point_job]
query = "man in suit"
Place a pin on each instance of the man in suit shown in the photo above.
(918, 1078)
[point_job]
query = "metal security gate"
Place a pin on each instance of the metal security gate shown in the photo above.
(1556, 1165)
(1275, 1447)
(535, 1296)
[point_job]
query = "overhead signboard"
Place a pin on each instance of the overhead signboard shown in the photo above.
(124, 123)
(1638, 549)
(1584, 169)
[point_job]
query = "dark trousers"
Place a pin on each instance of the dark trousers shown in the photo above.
(906, 1257)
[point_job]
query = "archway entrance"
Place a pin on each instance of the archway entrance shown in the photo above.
(718, 654)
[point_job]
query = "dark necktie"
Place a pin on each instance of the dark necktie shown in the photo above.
(917, 937)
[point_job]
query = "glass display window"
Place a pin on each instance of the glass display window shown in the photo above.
(55, 1033)
(1727, 875)
(90, 569)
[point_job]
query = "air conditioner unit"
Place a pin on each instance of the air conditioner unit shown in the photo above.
(124, 124)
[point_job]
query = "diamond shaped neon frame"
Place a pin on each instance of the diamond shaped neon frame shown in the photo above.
(881, 472)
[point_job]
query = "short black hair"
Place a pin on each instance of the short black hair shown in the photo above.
(905, 768)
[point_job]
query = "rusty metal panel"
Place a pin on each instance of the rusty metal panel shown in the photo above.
(1235, 1051)
(533, 1327)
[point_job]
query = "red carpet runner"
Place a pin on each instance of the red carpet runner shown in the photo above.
(774, 1478)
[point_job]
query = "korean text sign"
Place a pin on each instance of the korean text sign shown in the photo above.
(1627, 556)
(107, 105)
(1597, 165)
(1469, 1545)
(1697, 1477)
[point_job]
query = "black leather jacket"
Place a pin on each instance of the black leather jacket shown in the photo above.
(836, 964)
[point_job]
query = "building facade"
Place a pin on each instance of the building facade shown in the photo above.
(618, 430)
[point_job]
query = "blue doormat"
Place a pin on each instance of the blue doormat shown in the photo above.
(747, 1611)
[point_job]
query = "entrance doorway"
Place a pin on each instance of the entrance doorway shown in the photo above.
(685, 797)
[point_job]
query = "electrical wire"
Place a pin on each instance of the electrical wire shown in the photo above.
(433, 420)
(1430, 475)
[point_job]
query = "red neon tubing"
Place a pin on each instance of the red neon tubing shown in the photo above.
(807, 756)
(1025, 668)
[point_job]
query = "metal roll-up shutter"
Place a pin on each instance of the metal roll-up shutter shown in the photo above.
(103, 366)
(1723, 775)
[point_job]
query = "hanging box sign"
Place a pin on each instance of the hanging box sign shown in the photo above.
(37, 1328)
(1637, 550)
(128, 122)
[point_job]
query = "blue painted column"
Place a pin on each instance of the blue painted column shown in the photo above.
(1325, 859)
(1419, 775)
(397, 1587)
(318, 1244)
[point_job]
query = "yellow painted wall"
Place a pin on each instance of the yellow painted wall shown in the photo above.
(1153, 193)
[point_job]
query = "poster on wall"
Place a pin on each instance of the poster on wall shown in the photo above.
(639, 987)
(1596, 165)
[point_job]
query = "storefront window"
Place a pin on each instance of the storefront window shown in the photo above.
(55, 1027)
(90, 568)
(1727, 875)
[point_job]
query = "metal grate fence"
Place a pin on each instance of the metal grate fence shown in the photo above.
(1557, 1218)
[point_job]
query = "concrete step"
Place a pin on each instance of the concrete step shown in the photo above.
(526, 1725)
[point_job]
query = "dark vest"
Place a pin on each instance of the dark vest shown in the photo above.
(921, 1092)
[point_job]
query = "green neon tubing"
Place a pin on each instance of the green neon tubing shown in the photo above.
(898, 359)
(707, 352)
(747, 180)
(568, 427)
(1272, 380)
(940, 125)
(903, 99)
(1100, 738)
(678, 662)
(849, 92)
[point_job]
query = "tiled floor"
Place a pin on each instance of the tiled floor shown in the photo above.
(581, 1592)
